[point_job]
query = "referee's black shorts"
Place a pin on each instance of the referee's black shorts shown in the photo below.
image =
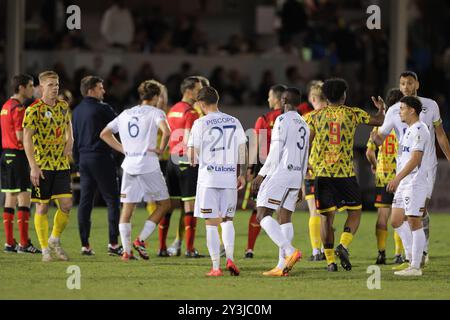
(337, 194)
(55, 185)
(15, 171)
(181, 180)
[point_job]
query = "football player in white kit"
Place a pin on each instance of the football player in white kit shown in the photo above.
(217, 142)
(430, 115)
(142, 178)
(280, 179)
(410, 184)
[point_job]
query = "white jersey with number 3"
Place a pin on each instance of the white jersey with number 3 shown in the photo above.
(138, 129)
(288, 155)
(217, 136)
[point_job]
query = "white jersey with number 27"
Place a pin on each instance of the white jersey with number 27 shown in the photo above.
(217, 136)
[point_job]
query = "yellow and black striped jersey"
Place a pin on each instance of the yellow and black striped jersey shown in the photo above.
(386, 159)
(334, 128)
(49, 138)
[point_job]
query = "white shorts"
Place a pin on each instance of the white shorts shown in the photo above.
(274, 194)
(431, 179)
(215, 202)
(143, 187)
(412, 200)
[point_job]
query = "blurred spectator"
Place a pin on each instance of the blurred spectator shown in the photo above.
(267, 81)
(156, 25)
(294, 79)
(293, 19)
(183, 32)
(117, 25)
(141, 42)
(45, 39)
(64, 80)
(237, 87)
(72, 40)
(218, 79)
(173, 81)
(117, 85)
(235, 45)
(164, 45)
(145, 72)
(287, 47)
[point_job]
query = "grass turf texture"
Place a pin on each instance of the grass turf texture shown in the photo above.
(103, 277)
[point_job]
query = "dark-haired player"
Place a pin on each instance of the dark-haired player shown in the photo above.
(430, 115)
(384, 166)
(15, 172)
(336, 188)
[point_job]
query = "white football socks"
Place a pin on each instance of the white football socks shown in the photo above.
(418, 244)
(213, 244)
(125, 236)
(228, 236)
(273, 230)
(147, 230)
(404, 231)
(288, 231)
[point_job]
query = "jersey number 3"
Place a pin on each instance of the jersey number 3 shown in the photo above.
(302, 142)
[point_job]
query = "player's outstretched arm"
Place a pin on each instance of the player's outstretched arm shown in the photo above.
(108, 136)
(378, 118)
(443, 141)
(416, 159)
(28, 145)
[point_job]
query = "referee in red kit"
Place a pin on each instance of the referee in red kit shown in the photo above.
(15, 172)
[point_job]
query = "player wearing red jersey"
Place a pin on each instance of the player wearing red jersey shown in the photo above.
(181, 178)
(15, 172)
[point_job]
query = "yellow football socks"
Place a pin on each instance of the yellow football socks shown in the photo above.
(398, 244)
(381, 239)
(314, 232)
(59, 223)
(329, 254)
(346, 239)
(41, 226)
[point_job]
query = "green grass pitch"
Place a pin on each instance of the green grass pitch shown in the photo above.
(105, 277)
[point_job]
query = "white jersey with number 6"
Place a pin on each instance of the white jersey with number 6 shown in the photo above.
(138, 129)
(288, 155)
(217, 136)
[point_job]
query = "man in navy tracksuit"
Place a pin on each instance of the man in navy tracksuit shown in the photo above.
(95, 161)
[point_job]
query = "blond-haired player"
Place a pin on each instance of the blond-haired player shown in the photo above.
(48, 145)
